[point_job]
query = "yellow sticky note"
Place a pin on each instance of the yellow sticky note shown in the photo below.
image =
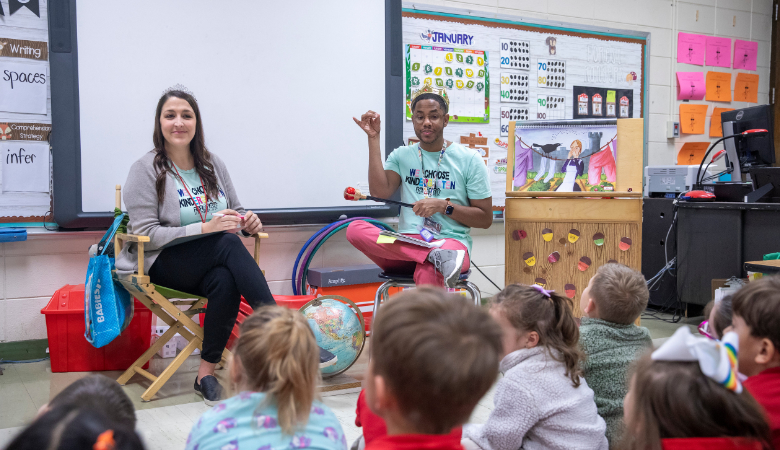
(385, 239)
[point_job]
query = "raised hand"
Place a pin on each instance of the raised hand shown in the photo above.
(370, 123)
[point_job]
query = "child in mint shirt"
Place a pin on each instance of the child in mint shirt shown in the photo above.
(275, 367)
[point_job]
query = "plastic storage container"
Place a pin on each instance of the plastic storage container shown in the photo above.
(70, 351)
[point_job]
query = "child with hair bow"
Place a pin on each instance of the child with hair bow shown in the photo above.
(686, 395)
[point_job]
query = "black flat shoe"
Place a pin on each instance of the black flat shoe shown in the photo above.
(327, 358)
(210, 389)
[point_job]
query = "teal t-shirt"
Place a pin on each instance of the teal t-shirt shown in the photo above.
(189, 206)
(461, 176)
(247, 422)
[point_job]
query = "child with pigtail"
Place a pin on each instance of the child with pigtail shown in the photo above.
(275, 370)
(542, 401)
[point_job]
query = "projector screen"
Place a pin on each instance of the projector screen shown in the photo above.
(277, 84)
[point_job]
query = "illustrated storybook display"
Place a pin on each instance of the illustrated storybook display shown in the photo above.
(565, 156)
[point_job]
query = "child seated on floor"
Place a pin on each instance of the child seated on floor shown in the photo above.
(757, 322)
(719, 316)
(433, 356)
(542, 401)
(76, 427)
(686, 396)
(98, 392)
(613, 300)
(275, 370)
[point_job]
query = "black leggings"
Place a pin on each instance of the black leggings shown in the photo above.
(221, 269)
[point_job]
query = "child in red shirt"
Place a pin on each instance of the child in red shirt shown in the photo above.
(433, 356)
(757, 322)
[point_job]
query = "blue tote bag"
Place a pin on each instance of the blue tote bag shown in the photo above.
(108, 307)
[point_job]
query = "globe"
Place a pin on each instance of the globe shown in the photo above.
(338, 326)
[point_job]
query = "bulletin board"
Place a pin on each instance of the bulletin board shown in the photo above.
(25, 114)
(540, 71)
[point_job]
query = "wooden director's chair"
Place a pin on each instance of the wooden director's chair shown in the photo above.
(160, 302)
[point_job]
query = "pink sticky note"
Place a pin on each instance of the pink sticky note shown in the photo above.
(690, 86)
(690, 48)
(745, 54)
(718, 51)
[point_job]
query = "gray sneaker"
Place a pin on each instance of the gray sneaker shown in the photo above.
(449, 263)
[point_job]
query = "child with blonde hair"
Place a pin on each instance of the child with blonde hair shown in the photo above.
(686, 395)
(275, 369)
(542, 402)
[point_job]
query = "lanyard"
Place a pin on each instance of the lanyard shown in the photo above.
(197, 208)
(441, 156)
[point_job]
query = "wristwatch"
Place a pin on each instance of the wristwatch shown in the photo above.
(450, 207)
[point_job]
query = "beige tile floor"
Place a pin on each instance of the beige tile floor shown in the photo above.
(165, 422)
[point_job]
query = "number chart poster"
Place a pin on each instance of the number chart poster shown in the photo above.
(463, 72)
(532, 76)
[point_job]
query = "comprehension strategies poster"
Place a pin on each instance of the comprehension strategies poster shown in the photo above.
(462, 72)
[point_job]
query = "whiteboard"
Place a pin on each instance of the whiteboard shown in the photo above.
(277, 84)
(591, 59)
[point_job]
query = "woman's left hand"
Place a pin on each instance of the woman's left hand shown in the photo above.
(251, 223)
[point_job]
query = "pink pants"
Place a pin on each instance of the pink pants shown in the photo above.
(400, 257)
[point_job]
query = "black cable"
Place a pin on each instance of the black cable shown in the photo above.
(483, 274)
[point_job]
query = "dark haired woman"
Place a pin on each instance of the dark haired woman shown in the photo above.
(173, 191)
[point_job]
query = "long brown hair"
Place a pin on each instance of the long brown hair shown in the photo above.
(674, 399)
(527, 309)
(200, 153)
(279, 356)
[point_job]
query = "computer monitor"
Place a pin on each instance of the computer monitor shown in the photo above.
(753, 152)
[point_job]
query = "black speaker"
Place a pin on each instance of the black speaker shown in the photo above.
(59, 26)
(657, 216)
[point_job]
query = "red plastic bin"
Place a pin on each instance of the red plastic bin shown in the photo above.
(69, 349)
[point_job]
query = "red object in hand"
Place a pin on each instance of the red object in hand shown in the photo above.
(349, 193)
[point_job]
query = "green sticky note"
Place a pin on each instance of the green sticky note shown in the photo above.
(610, 96)
(385, 239)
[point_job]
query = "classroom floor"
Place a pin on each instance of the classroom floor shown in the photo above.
(165, 422)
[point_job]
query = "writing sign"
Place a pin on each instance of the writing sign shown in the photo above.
(690, 86)
(23, 86)
(690, 48)
(718, 51)
(19, 48)
(25, 166)
(745, 54)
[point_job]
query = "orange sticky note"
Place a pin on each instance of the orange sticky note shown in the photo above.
(692, 118)
(746, 88)
(716, 126)
(718, 87)
(692, 153)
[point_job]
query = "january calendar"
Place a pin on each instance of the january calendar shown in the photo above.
(462, 71)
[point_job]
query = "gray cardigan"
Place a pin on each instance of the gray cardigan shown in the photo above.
(161, 222)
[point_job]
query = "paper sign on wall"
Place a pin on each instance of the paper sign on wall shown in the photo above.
(718, 51)
(718, 87)
(692, 118)
(746, 88)
(690, 48)
(692, 153)
(716, 126)
(25, 166)
(745, 54)
(690, 86)
(23, 86)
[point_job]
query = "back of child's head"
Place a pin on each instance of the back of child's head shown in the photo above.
(719, 315)
(674, 399)
(620, 293)
(549, 314)
(76, 427)
(98, 392)
(438, 355)
(278, 355)
(758, 304)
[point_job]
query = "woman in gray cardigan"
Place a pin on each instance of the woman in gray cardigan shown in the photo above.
(173, 191)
